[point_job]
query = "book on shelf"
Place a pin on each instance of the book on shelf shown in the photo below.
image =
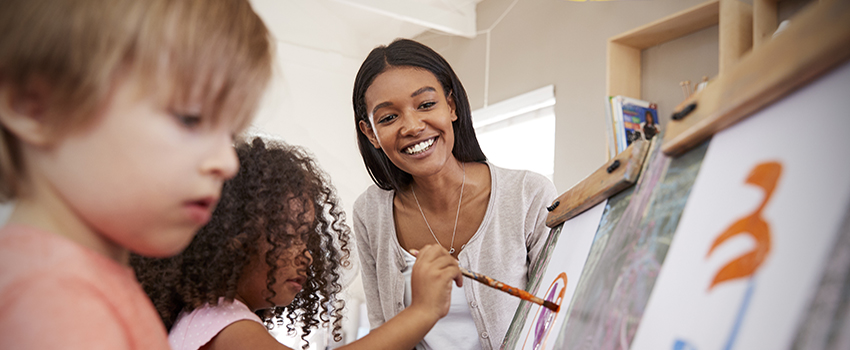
(610, 136)
(629, 119)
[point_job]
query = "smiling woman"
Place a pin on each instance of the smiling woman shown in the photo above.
(433, 184)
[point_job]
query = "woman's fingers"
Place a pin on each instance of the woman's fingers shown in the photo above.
(447, 264)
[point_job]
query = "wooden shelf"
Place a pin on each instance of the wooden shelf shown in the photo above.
(671, 27)
(817, 40)
(733, 17)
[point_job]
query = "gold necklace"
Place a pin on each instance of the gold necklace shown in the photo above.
(459, 201)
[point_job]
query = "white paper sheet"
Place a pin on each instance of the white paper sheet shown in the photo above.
(806, 134)
(567, 260)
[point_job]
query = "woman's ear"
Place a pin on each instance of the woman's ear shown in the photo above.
(450, 99)
(366, 129)
(23, 112)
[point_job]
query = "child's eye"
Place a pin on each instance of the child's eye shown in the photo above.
(188, 120)
(427, 105)
(387, 118)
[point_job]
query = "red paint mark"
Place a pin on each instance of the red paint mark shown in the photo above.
(764, 175)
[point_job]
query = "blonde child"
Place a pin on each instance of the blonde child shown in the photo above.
(274, 246)
(116, 124)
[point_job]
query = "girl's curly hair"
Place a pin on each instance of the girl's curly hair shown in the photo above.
(253, 207)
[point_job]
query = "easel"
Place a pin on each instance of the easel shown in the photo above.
(646, 215)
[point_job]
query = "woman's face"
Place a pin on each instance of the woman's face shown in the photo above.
(410, 119)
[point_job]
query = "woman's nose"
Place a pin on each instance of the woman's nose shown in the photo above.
(411, 125)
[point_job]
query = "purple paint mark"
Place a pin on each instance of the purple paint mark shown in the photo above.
(544, 320)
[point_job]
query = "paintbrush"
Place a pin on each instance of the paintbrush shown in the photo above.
(510, 290)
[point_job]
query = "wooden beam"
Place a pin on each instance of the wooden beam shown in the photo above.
(600, 184)
(765, 20)
(815, 42)
(623, 70)
(735, 32)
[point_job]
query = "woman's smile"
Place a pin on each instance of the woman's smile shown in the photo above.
(420, 147)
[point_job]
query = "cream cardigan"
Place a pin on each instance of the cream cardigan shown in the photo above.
(508, 241)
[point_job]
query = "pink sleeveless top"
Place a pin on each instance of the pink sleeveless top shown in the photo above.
(193, 330)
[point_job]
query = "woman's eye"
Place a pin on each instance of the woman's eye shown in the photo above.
(387, 118)
(188, 120)
(427, 105)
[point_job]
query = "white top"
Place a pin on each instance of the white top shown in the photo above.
(452, 332)
(508, 241)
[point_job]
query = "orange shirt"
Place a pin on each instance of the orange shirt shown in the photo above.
(56, 294)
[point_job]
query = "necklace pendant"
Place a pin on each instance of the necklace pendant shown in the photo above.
(452, 251)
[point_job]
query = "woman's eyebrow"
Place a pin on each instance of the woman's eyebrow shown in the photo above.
(381, 105)
(423, 89)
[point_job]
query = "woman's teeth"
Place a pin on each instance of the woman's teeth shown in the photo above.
(419, 147)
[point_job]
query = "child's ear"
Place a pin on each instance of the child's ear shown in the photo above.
(450, 99)
(366, 129)
(23, 112)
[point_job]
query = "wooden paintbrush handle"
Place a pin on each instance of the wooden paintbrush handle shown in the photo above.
(508, 289)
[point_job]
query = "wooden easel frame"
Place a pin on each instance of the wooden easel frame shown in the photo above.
(605, 182)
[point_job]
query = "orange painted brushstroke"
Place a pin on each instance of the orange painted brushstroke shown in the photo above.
(764, 175)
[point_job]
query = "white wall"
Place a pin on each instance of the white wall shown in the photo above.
(560, 42)
(308, 105)
(5, 211)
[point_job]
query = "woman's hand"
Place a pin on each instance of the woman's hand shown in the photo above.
(431, 280)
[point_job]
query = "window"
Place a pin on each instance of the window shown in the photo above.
(519, 133)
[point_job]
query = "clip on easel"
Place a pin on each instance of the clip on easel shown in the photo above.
(616, 175)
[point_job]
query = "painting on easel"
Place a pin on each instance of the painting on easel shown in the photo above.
(566, 261)
(758, 228)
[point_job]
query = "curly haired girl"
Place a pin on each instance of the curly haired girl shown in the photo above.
(274, 247)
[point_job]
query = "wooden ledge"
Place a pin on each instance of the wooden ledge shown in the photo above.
(601, 184)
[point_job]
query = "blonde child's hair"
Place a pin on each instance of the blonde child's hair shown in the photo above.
(218, 53)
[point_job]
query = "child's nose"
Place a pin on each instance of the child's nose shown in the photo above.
(305, 258)
(222, 162)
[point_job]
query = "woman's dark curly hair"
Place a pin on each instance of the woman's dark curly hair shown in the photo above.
(252, 208)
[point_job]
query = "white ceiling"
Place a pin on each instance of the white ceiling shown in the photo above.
(353, 27)
(320, 46)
